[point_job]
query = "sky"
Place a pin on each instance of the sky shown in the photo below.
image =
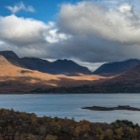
(89, 32)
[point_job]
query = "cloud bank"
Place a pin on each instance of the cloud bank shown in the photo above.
(84, 31)
(100, 33)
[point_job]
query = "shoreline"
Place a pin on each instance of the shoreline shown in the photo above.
(37, 93)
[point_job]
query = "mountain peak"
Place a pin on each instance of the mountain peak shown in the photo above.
(63, 60)
(4, 61)
(69, 67)
(8, 54)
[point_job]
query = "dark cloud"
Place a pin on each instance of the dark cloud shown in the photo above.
(99, 34)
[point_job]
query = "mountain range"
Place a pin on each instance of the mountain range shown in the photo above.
(65, 76)
(65, 66)
(14, 77)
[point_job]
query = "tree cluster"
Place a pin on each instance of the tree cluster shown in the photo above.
(27, 126)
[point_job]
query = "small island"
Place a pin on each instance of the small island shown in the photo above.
(120, 107)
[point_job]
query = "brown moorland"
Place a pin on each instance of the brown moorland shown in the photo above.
(17, 79)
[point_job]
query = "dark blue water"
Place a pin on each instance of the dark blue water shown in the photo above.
(69, 105)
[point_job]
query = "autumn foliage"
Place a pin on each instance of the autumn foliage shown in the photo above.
(25, 126)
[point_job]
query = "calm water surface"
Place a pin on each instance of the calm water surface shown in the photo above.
(69, 105)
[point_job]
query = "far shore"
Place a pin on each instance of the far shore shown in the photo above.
(51, 93)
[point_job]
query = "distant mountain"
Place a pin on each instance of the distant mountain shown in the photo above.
(36, 64)
(131, 78)
(33, 75)
(127, 82)
(66, 67)
(15, 79)
(117, 67)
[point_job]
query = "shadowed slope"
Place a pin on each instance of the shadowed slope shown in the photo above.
(117, 67)
(128, 82)
(17, 79)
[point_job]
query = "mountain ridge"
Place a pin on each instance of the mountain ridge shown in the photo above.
(67, 67)
(15, 79)
(116, 67)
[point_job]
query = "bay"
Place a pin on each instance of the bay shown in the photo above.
(69, 105)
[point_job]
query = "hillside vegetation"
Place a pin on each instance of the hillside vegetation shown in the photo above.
(25, 126)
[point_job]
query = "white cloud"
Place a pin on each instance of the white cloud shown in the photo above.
(53, 36)
(21, 30)
(126, 7)
(26, 31)
(28, 36)
(20, 7)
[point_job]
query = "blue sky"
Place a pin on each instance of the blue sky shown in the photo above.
(88, 31)
(45, 10)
